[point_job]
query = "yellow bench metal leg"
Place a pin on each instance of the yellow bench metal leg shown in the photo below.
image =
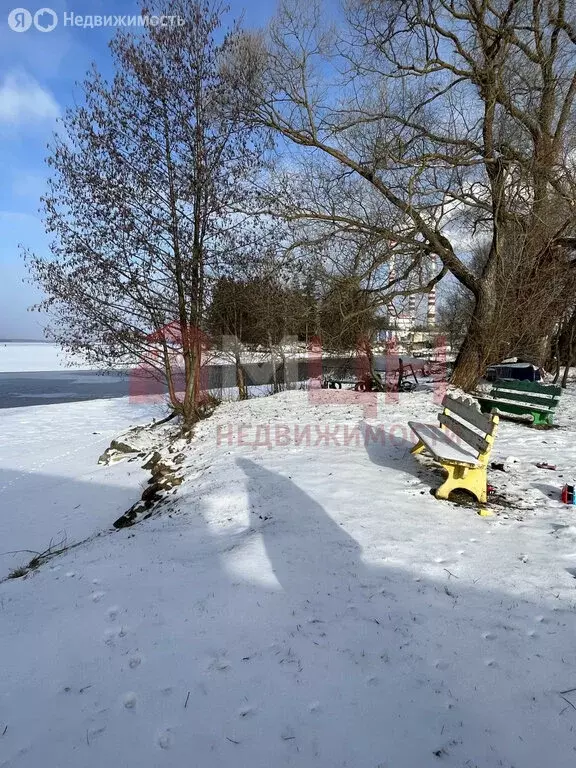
(418, 448)
(472, 480)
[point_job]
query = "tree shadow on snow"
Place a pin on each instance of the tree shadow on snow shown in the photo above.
(436, 659)
(296, 527)
(358, 657)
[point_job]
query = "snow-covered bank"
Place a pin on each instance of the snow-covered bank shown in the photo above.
(306, 602)
(50, 485)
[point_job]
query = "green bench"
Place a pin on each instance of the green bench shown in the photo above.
(522, 398)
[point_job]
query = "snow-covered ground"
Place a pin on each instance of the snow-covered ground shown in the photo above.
(50, 485)
(300, 602)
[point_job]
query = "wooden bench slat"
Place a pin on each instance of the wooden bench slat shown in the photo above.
(513, 399)
(441, 446)
(529, 397)
(528, 386)
(469, 413)
(471, 438)
(507, 409)
(504, 401)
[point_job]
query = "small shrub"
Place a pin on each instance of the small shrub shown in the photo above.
(17, 573)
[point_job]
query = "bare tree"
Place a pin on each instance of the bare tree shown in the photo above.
(452, 116)
(532, 302)
(227, 315)
(261, 310)
(146, 177)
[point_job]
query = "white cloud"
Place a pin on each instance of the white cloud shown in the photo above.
(24, 101)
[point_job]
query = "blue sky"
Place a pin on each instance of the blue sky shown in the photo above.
(39, 72)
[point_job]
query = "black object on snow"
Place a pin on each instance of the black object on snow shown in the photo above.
(517, 371)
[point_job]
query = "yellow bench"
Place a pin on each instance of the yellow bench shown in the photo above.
(461, 445)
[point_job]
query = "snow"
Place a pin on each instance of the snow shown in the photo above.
(300, 602)
(51, 488)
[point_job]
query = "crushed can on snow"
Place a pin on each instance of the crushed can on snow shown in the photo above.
(568, 494)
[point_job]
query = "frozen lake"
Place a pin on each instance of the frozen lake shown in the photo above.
(44, 387)
(39, 374)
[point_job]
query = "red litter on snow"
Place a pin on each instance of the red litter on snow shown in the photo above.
(568, 494)
(545, 465)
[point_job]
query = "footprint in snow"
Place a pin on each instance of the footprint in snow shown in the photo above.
(164, 738)
(134, 662)
(288, 733)
(112, 635)
(97, 596)
(221, 665)
(112, 612)
(558, 527)
(129, 700)
(94, 732)
(489, 636)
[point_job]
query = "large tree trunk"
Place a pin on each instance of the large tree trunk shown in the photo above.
(478, 348)
(191, 400)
